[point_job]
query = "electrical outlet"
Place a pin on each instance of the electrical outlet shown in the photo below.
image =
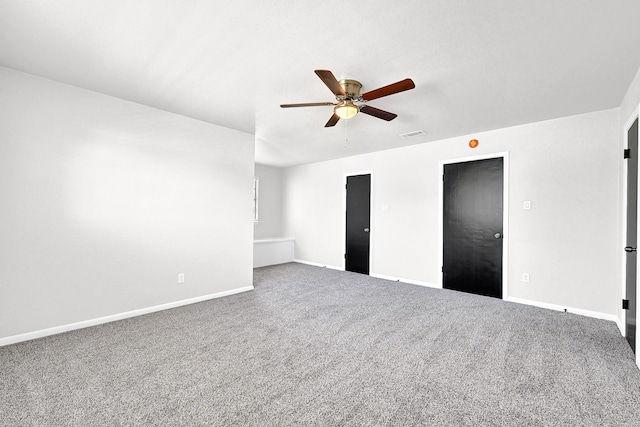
(525, 277)
(181, 278)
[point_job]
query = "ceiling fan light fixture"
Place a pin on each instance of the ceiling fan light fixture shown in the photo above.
(346, 109)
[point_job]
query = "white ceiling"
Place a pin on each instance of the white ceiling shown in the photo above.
(476, 65)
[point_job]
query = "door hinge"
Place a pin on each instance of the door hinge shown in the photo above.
(345, 256)
(627, 153)
(625, 304)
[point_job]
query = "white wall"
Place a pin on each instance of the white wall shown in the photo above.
(568, 168)
(270, 202)
(104, 202)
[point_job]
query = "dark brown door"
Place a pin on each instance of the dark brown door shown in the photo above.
(472, 227)
(357, 225)
(632, 233)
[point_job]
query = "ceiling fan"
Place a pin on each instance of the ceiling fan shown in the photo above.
(349, 101)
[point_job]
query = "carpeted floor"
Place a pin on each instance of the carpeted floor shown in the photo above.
(312, 346)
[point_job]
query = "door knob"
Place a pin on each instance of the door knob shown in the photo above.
(630, 249)
(366, 230)
(497, 235)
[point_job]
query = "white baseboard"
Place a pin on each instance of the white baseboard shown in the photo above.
(588, 313)
(410, 281)
(112, 318)
(316, 264)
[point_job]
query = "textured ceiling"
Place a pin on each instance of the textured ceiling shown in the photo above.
(476, 65)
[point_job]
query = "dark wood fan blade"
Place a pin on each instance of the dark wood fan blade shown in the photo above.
(330, 80)
(332, 121)
(400, 86)
(307, 104)
(376, 112)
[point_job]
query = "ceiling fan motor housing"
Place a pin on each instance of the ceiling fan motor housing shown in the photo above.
(351, 88)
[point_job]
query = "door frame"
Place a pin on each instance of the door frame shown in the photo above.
(505, 212)
(622, 325)
(371, 217)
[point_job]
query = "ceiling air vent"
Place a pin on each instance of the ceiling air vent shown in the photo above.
(412, 134)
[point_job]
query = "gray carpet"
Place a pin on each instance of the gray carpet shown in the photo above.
(312, 346)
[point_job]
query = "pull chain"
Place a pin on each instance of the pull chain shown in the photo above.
(346, 139)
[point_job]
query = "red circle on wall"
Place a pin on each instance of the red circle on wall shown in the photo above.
(473, 143)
